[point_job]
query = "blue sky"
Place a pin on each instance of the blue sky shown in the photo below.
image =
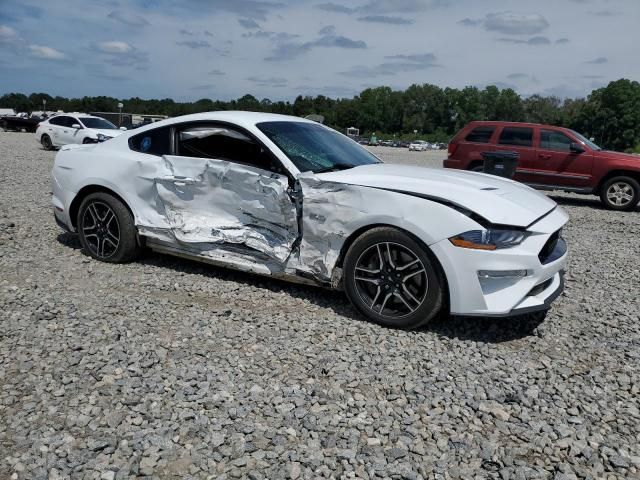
(222, 49)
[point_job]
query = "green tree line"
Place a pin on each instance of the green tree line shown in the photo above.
(611, 115)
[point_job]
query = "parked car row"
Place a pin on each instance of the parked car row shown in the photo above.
(416, 145)
(551, 158)
(422, 145)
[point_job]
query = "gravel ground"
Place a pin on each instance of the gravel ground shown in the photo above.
(429, 158)
(166, 368)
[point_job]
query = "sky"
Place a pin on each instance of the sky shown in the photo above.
(278, 49)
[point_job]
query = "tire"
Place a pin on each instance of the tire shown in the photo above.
(406, 292)
(86, 141)
(477, 168)
(46, 142)
(620, 193)
(106, 229)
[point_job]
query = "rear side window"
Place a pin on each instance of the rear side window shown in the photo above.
(521, 137)
(552, 140)
(153, 142)
(480, 134)
(60, 121)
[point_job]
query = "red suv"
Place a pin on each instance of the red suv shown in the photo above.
(552, 158)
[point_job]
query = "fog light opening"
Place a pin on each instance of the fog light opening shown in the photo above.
(503, 273)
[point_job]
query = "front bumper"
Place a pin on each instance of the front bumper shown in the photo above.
(473, 295)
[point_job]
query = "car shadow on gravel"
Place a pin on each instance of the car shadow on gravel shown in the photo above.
(477, 329)
(487, 329)
(592, 202)
(69, 240)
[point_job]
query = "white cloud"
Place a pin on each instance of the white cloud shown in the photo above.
(7, 32)
(512, 23)
(40, 51)
(114, 46)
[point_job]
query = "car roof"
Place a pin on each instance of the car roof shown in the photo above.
(239, 117)
(511, 124)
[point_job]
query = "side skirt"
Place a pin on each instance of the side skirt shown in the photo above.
(232, 263)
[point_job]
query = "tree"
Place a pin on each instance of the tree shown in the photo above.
(611, 114)
(546, 110)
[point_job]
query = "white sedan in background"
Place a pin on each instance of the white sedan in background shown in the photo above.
(65, 129)
(293, 199)
(419, 146)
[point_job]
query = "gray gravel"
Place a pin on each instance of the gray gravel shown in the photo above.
(167, 368)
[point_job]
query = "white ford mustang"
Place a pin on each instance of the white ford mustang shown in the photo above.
(293, 199)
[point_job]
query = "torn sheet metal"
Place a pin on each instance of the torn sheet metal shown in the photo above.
(328, 208)
(218, 202)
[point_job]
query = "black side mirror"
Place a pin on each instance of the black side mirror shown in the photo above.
(576, 148)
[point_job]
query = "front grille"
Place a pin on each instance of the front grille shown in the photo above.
(553, 249)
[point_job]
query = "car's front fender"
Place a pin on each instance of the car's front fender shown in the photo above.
(333, 211)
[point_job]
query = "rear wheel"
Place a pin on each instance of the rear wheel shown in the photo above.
(477, 168)
(620, 193)
(46, 142)
(106, 229)
(392, 279)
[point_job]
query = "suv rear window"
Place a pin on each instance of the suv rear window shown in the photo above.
(480, 134)
(522, 137)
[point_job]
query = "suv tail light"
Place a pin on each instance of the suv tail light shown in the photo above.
(452, 148)
(38, 126)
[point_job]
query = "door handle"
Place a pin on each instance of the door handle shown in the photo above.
(545, 156)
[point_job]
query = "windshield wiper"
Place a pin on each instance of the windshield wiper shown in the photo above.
(335, 168)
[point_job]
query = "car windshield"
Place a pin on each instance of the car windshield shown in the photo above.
(312, 147)
(100, 123)
(586, 141)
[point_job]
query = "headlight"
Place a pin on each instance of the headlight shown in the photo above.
(492, 239)
(102, 138)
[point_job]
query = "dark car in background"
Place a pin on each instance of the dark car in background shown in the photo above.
(551, 158)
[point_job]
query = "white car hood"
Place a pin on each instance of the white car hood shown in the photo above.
(500, 201)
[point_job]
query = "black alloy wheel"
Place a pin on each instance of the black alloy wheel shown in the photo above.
(106, 229)
(391, 278)
(45, 140)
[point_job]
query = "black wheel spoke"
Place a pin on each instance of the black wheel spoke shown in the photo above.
(384, 302)
(375, 299)
(391, 264)
(400, 296)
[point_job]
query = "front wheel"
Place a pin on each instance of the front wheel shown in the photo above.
(46, 142)
(392, 279)
(620, 193)
(106, 229)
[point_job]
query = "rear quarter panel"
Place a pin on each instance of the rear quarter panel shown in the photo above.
(129, 174)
